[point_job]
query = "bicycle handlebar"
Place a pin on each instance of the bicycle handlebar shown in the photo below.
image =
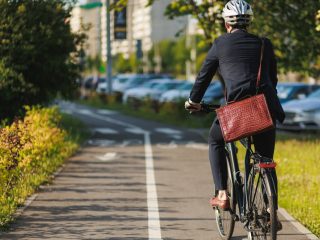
(208, 108)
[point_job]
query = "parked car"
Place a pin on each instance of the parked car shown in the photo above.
(214, 92)
(290, 91)
(150, 89)
(103, 86)
(302, 114)
(174, 95)
(124, 83)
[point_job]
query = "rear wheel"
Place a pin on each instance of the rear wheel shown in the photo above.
(261, 205)
(225, 219)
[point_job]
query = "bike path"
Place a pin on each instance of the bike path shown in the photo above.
(103, 192)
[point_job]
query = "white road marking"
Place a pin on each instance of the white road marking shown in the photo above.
(130, 142)
(105, 130)
(107, 157)
(106, 112)
(168, 131)
(152, 197)
(171, 145)
(101, 142)
(84, 111)
(135, 130)
(200, 146)
(154, 227)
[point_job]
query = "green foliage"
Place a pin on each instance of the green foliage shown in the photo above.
(30, 151)
(207, 12)
(93, 64)
(38, 53)
(123, 65)
(291, 25)
(174, 54)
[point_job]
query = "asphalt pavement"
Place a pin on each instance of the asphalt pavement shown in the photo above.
(133, 179)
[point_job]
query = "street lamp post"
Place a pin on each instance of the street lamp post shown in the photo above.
(109, 60)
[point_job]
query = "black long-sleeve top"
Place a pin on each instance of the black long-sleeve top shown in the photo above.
(237, 56)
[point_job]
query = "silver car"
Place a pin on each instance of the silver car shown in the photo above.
(302, 114)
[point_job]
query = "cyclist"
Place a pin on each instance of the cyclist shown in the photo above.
(236, 55)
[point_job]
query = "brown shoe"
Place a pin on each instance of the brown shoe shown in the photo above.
(223, 204)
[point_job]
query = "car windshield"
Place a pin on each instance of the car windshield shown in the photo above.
(315, 95)
(122, 80)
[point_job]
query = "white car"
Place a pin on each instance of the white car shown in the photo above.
(175, 95)
(302, 114)
(103, 86)
(153, 89)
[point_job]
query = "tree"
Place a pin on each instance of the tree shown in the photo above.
(38, 53)
(290, 24)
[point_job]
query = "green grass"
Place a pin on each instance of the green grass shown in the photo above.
(298, 170)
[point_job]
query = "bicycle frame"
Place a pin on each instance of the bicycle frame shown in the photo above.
(241, 195)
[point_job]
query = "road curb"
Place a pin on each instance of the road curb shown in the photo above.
(297, 224)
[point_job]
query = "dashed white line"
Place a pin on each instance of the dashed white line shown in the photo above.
(107, 157)
(171, 145)
(106, 112)
(101, 142)
(168, 131)
(105, 130)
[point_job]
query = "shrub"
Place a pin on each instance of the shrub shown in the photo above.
(30, 151)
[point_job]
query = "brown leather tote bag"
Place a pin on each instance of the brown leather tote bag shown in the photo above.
(245, 117)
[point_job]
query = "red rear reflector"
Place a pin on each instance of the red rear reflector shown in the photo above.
(268, 165)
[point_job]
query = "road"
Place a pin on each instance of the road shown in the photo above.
(134, 179)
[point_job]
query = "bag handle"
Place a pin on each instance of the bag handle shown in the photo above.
(259, 72)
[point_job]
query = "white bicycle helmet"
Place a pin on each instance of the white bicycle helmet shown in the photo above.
(237, 12)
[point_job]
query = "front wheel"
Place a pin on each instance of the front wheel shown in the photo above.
(225, 219)
(262, 205)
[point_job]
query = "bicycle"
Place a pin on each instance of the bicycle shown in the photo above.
(255, 193)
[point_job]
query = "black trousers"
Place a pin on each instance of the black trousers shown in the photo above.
(264, 144)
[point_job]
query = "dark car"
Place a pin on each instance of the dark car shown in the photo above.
(290, 91)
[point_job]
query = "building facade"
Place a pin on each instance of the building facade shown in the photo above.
(88, 15)
(148, 25)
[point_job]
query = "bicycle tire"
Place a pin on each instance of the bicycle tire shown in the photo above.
(224, 219)
(262, 204)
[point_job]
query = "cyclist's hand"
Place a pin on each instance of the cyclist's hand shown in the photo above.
(192, 106)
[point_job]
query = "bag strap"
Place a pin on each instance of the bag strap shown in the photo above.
(259, 71)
